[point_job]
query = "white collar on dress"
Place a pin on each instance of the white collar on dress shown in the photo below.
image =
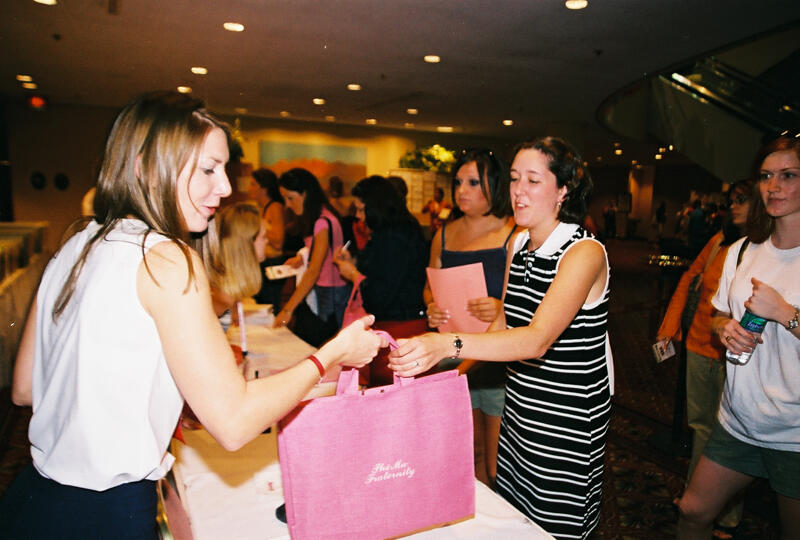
(560, 234)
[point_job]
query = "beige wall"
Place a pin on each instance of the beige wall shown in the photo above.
(69, 139)
(61, 139)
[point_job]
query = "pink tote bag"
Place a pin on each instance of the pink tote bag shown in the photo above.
(379, 463)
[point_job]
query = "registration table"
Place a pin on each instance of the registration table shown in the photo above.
(235, 494)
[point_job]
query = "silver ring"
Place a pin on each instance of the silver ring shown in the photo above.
(416, 363)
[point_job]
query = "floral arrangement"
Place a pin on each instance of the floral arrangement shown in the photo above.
(433, 158)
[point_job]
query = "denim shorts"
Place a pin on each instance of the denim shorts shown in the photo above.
(780, 467)
(488, 400)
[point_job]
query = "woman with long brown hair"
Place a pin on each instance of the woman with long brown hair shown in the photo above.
(122, 331)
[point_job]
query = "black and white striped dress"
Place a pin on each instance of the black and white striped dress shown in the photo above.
(552, 439)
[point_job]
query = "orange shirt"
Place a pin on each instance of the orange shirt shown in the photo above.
(700, 339)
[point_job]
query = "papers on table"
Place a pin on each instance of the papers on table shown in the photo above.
(281, 271)
(451, 288)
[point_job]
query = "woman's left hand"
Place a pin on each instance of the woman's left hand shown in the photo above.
(484, 309)
(282, 318)
(766, 302)
(347, 269)
(419, 354)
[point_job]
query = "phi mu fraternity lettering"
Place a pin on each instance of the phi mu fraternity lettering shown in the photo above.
(384, 471)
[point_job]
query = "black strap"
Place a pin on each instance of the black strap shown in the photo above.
(741, 251)
(264, 211)
(443, 226)
(505, 244)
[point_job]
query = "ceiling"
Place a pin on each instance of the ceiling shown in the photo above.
(532, 61)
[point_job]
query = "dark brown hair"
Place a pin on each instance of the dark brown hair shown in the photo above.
(567, 166)
(495, 190)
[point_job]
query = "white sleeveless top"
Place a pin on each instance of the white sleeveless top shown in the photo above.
(104, 402)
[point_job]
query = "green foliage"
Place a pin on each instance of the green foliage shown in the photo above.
(433, 158)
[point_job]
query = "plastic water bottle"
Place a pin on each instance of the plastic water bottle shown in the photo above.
(750, 322)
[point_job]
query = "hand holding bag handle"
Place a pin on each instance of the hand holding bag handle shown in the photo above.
(355, 305)
(348, 378)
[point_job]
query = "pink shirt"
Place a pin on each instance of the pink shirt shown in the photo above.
(329, 276)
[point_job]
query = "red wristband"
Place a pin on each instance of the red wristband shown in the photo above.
(319, 365)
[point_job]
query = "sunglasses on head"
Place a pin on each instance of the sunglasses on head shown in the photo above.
(739, 199)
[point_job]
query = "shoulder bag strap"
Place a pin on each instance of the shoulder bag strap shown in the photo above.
(741, 251)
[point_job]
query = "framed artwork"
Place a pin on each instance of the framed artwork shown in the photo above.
(323, 160)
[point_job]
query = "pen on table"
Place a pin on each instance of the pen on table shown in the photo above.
(242, 332)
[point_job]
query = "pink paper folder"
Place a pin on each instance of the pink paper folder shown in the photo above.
(379, 463)
(451, 288)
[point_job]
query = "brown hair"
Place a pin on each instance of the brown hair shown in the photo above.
(152, 140)
(760, 225)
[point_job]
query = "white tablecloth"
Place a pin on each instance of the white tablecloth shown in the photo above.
(271, 350)
(234, 495)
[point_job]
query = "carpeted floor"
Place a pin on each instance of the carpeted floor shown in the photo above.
(641, 480)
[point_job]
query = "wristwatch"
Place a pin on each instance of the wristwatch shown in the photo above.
(793, 323)
(457, 343)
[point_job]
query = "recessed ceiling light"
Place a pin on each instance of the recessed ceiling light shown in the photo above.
(285, 114)
(618, 151)
(508, 122)
(354, 87)
(185, 89)
(662, 150)
(408, 125)
(24, 78)
(233, 27)
(199, 70)
(671, 148)
(29, 85)
(371, 121)
(432, 59)
(634, 162)
(240, 110)
(412, 111)
(599, 158)
(330, 118)
(318, 101)
(576, 4)
(444, 129)
(658, 156)
(46, 2)
(617, 145)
